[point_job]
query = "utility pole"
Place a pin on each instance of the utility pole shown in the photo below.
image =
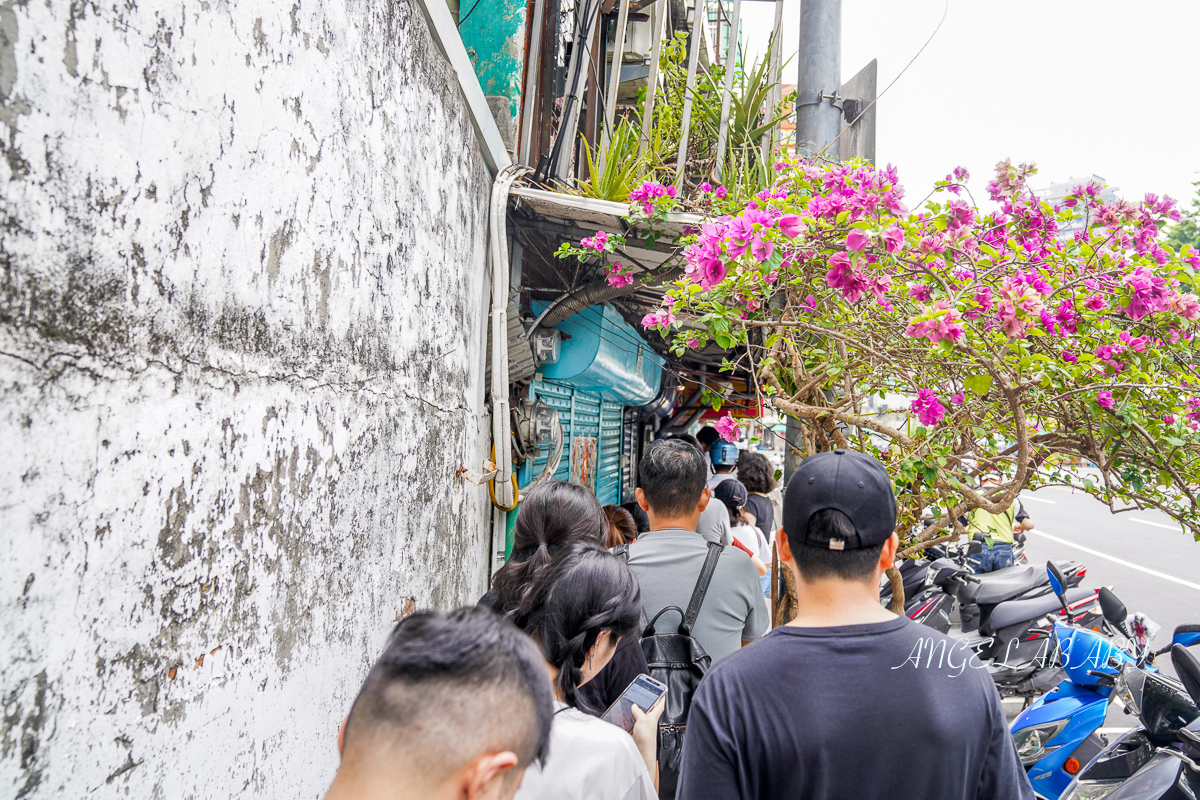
(818, 122)
(818, 95)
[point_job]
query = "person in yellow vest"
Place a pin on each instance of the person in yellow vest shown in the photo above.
(998, 531)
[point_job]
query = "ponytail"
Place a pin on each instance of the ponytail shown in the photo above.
(552, 516)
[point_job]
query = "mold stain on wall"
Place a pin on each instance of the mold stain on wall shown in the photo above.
(243, 305)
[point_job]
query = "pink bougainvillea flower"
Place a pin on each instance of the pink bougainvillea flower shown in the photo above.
(692, 341)
(650, 321)
(810, 303)
(1169, 419)
(712, 272)
(958, 398)
(706, 187)
(790, 226)
(1069, 356)
(761, 249)
(619, 276)
(668, 301)
(1150, 293)
(857, 240)
(893, 239)
(841, 276)
(928, 408)
(937, 322)
(720, 192)
(728, 428)
(1105, 399)
(919, 292)
(1187, 306)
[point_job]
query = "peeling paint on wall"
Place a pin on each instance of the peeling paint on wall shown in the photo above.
(243, 306)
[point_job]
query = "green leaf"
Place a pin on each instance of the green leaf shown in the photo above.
(979, 383)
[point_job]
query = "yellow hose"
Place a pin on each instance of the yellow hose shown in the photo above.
(492, 488)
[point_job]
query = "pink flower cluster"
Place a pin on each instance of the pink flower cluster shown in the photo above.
(663, 317)
(728, 428)
(619, 276)
(852, 283)
(928, 408)
(597, 242)
(720, 192)
(1150, 293)
(648, 192)
(937, 322)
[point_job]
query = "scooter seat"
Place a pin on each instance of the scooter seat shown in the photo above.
(1015, 611)
(1005, 584)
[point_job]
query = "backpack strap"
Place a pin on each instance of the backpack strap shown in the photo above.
(701, 588)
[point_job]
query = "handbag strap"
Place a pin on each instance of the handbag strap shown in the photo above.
(701, 588)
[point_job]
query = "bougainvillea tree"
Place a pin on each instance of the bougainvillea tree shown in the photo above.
(1026, 336)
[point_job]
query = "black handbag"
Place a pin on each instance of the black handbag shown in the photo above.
(680, 662)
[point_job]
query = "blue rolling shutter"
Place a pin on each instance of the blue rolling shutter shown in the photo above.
(596, 423)
(608, 472)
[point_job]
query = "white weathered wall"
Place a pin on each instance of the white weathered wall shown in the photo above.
(242, 314)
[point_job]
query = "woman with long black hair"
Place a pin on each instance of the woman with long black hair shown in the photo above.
(577, 610)
(553, 517)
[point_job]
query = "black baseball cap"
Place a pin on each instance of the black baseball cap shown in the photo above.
(850, 482)
(732, 493)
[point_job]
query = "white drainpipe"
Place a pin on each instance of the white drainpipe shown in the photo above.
(503, 485)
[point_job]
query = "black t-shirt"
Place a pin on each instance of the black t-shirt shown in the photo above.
(883, 710)
(764, 516)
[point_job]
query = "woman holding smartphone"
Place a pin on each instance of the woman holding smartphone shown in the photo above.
(578, 608)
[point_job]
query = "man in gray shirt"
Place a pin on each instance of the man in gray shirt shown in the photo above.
(668, 558)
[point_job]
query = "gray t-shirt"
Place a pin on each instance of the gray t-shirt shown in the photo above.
(714, 523)
(667, 564)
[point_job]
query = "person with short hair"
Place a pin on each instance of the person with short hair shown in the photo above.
(714, 522)
(667, 559)
(704, 439)
(457, 707)
(579, 607)
(621, 527)
(724, 459)
(847, 700)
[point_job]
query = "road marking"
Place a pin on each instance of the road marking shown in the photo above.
(1158, 524)
(1039, 499)
(1120, 561)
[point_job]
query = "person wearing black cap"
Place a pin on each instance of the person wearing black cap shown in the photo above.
(847, 700)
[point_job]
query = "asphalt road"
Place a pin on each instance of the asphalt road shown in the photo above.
(1135, 553)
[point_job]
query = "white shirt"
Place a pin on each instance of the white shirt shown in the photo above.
(590, 759)
(753, 540)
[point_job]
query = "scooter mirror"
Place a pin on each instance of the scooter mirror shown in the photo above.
(1057, 582)
(974, 548)
(1187, 667)
(1113, 608)
(1186, 635)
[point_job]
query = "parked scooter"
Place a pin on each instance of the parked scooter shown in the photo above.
(1160, 758)
(1059, 733)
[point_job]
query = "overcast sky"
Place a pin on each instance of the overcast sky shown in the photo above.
(1077, 87)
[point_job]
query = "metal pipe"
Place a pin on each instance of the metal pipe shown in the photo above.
(660, 24)
(614, 79)
(776, 73)
(528, 99)
(727, 87)
(698, 23)
(818, 101)
(570, 122)
(591, 294)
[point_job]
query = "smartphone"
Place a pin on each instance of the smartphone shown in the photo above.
(644, 692)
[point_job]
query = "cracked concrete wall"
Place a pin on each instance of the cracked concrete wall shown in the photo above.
(242, 320)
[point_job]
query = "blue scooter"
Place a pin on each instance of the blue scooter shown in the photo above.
(1057, 735)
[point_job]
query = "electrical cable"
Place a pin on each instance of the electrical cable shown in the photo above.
(461, 20)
